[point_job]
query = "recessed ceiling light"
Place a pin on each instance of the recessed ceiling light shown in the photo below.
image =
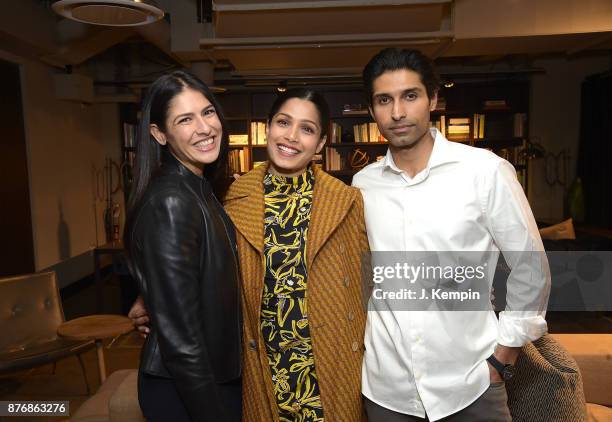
(110, 12)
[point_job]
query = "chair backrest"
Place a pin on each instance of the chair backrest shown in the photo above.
(30, 310)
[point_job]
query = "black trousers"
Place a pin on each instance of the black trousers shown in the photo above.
(160, 400)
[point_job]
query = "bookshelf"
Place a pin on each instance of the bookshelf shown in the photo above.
(491, 115)
(488, 114)
(128, 115)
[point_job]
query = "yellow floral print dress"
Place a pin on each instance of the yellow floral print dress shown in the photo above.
(284, 315)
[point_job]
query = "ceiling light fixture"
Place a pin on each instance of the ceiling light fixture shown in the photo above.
(110, 12)
(282, 86)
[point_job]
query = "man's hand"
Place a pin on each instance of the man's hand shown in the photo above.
(505, 355)
(140, 318)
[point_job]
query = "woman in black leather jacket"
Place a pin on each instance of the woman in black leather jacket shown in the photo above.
(181, 248)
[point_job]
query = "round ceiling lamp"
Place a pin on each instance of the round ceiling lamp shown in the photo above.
(110, 12)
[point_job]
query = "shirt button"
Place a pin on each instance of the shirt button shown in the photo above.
(417, 375)
(347, 282)
(355, 346)
(252, 344)
(351, 316)
(417, 339)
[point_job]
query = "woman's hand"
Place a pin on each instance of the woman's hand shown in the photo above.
(139, 316)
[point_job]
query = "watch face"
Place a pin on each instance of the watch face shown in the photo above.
(508, 372)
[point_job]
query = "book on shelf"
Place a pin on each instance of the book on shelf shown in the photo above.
(512, 154)
(354, 110)
(519, 120)
(238, 140)
(258, 133)
(458, 129)
(333, 160)
(454, 121)
(478, 126)
(367, 132)
(439, 124)
(335, 133)
(239, 160)
(495, 104)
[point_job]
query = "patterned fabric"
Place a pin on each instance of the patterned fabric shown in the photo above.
(336, 309)
(547, 385)
(284, 318)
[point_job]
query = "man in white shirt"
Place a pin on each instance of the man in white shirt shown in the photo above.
(429, 194)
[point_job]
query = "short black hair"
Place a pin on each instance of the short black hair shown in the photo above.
(391, 59)
(306, 94)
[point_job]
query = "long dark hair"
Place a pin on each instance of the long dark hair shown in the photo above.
(306, 94)
(154, 110)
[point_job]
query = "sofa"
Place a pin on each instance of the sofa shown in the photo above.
(115, 401)
(593, 354)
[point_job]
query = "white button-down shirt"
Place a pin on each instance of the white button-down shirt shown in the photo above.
(466, 199)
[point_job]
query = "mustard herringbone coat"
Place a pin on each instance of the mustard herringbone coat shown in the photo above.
(336, 240)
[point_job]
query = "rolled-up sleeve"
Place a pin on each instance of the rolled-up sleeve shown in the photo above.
(514, 230)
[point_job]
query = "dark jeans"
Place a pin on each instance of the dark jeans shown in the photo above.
(160, 401)
(491, 406)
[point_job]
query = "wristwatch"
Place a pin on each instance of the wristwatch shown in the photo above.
(506, 370)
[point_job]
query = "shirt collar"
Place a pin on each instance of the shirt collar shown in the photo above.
(442, 153)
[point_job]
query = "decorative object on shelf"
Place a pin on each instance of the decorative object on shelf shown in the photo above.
(533, 150)
(359, 159)
(239, 139)
(354, 110)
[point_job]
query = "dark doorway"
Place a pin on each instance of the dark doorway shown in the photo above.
(17, 246)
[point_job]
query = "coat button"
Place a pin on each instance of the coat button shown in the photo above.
(355, 346)
(347, 282)
(351, 316)
(341, 248)
(252, 345)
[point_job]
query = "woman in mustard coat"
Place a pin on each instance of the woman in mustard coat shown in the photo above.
(301, 237)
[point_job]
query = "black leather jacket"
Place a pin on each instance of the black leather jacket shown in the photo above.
(183, 255)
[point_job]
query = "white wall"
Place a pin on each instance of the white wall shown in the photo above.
(555, 123)
(65, 141)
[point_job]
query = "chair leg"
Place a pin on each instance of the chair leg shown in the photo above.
(54, 367)
(84, 372)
